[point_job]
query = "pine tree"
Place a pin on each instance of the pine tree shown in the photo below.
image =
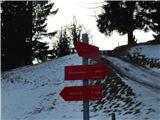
(40, 12)
(23, 25)
(63, 46)
(126, 16)
(75, 31)
(15, 31)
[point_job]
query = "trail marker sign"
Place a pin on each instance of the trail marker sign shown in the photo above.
(78, 93)
(85, 72)
(88, 51)
(91, 72)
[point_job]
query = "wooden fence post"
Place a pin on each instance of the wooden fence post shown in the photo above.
(113, 116)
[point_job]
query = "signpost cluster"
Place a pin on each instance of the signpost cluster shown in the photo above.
(85, 72)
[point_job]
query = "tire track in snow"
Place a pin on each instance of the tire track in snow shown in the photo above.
(131, 71)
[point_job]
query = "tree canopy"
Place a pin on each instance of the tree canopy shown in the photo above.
(127, 16)
(40, 12)
(16, 30)
(23, 26)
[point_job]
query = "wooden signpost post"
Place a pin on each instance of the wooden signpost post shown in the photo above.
(85, 72)
(85, 82)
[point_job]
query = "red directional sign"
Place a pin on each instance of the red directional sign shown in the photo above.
(92, 72)
(88, 51)
(79, 93)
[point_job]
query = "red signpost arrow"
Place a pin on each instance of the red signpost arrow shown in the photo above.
(85, 72)
(79, 93)
(88, 51)
(92, 72)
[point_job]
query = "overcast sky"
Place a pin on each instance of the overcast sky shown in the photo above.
(85, 12)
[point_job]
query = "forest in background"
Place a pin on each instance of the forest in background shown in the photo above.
(24, 26)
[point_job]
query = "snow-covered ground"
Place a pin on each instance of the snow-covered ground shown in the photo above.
(32, 93)
(149, 51)
(136, 73)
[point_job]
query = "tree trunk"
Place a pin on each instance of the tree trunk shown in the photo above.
(131, 39)
(29, 28)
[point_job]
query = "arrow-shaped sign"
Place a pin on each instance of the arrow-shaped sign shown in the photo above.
(92, 72)
(79, 93)
(88, 51)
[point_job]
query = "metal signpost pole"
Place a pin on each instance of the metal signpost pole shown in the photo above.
(85, 83)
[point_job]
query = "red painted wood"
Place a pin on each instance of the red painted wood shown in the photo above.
(78, 93)
(88, 51)
(92, 72)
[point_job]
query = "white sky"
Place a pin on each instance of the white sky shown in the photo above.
(85, 16)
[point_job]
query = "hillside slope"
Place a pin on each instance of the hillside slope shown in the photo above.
(32, 93)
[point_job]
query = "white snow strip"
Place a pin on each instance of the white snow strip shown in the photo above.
(135, 73)
(149, 51)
